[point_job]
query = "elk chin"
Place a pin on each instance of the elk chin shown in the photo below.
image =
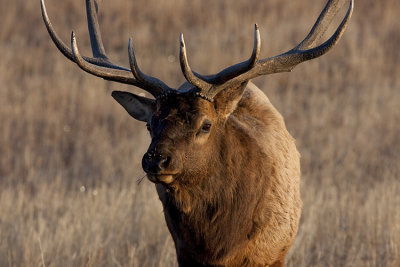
(161, 178)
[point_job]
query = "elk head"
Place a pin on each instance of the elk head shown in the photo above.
(186, 123)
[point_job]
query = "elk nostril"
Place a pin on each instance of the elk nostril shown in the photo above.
(164, 162)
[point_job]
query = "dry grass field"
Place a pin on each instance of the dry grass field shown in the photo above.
(70, 155)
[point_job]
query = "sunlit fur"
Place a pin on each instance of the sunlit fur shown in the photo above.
(235, 198)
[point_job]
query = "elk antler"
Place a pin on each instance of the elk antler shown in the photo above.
(213, 84)
(210, 85)
(100, 65)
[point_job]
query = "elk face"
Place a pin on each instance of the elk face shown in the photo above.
(182, 127)
(182, 131)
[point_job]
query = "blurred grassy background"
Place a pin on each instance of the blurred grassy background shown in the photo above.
(70, 156)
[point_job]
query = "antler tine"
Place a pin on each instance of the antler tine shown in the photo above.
(100, 71)
(256, 48)
(156, 86)
(94, 30)
(66, 51)
(199, 82)
(321, 25)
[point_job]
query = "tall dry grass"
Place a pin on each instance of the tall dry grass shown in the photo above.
(70, 156)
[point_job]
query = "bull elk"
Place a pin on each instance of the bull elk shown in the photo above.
(226, 170)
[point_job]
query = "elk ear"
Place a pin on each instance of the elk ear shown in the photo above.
(140, 108)
(226, 101)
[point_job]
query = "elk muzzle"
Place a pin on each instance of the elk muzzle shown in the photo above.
(156, 166)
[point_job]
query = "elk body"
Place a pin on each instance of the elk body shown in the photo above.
(226, 170)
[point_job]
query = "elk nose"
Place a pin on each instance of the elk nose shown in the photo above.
(155, 163)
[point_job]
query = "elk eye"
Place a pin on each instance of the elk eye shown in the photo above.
(205, 128)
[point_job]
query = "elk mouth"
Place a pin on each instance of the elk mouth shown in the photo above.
(165, 178)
